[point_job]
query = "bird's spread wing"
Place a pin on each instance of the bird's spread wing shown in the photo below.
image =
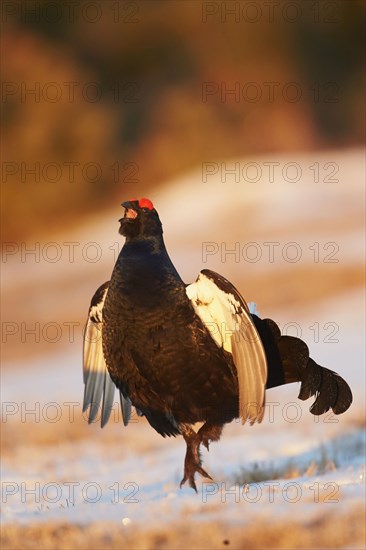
(99, 387)
(226, 316)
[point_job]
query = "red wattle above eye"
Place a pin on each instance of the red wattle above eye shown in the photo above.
(146, 203)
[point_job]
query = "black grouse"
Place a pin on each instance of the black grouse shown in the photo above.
(182, 354)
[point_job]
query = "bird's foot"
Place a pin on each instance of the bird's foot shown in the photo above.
(192, 461)
(190, 468)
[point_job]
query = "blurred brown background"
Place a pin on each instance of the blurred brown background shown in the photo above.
(142, 89)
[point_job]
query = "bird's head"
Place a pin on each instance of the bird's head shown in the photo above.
(140, 219)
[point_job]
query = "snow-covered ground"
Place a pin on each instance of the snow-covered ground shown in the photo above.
(293, 465)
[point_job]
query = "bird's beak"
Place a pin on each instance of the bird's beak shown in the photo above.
(130, 212)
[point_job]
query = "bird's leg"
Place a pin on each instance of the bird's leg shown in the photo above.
(192, 461)
(209, 432)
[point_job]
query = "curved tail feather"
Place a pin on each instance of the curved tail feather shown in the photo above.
(344, 398)
(289, 361)
(331, 391)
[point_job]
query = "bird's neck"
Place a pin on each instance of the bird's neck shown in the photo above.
(144, 247)
(146, 260)
(144, 274)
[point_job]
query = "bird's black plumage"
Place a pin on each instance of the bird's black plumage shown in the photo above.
(157, 349)
(183, 354)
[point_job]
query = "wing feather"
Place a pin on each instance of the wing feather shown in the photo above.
(107, 404)
(226, 316)
(126, 408)
(99, 387)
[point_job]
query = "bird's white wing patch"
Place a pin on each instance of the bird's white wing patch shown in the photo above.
(99, 387)
(226, 316)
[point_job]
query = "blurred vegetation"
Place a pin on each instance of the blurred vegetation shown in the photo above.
(149, 61)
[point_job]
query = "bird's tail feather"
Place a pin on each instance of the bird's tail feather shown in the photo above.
(331, 391)
(289, 361)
